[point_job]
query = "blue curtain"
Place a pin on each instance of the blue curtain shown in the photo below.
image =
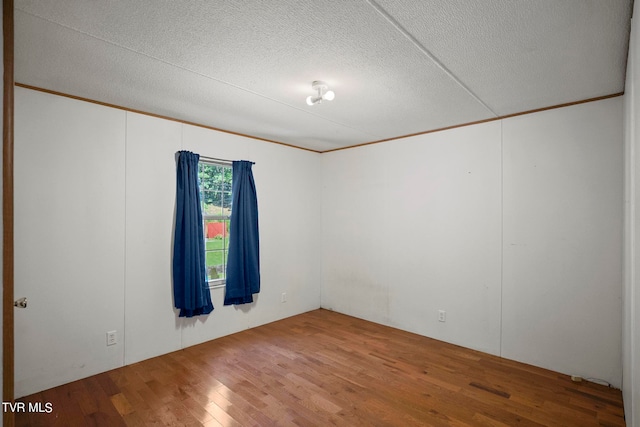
(243, 263)
(190, 288)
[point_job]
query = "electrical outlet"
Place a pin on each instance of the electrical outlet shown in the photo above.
(283, 297)
(442, 316)
(111, 338)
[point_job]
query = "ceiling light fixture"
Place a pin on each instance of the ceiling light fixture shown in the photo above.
(323, 94)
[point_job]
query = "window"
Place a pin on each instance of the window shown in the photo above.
(215, 196)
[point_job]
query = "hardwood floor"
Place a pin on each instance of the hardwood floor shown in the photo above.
(322, 368)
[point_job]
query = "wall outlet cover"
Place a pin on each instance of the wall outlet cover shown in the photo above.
(111, 338)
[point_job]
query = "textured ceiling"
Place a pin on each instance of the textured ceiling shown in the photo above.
(398, 67)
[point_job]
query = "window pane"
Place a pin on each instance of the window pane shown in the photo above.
(216, 248)
(226, 203)
(216, 261)
(215, 191)
(209, 187)
(227, 224)
(212, 203)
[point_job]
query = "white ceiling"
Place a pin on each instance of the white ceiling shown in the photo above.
(397, 67)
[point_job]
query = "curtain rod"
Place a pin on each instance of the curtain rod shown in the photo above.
(214, 159)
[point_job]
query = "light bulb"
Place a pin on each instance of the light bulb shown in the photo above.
(310, 100)
(329, 95)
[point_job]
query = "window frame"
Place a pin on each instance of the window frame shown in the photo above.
(214, 283)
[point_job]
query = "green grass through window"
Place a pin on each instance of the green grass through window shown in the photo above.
(215, 253)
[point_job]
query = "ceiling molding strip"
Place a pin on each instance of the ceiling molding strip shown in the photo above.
(106, 104)
(427, 53)
(493, 119)
(159, 116)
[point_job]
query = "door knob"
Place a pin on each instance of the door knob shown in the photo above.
(21, 303)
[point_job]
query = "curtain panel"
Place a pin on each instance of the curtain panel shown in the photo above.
(243, 263)
(191, 292)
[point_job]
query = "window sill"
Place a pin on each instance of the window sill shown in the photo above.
(217, 284)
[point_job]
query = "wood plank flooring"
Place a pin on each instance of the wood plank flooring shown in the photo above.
(320, 369)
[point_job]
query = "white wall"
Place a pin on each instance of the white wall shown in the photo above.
(106, 266)
(150, 152)
(412, 227)
(631, 306)
(513, 227)
(562, 239)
